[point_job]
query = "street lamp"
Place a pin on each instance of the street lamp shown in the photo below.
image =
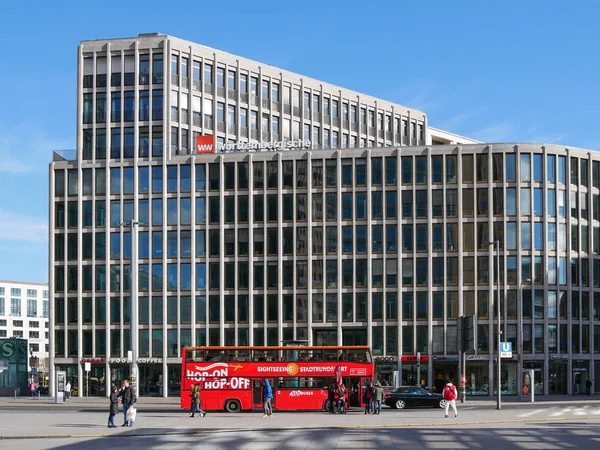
(499, 333)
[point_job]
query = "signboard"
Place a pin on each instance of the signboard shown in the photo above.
(478, 357)
(445, 358)
(3, 365)
(528, 388)
(149, 360)
(505, 349)
(93, 360)
(88, 367)
(411, 358)
(207, 144)
(385, 359)
(559, 356)
(13, 350)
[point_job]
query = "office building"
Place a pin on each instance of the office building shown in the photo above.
(371, 228)
(24, 314)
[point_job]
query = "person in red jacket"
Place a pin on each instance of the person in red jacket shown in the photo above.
(450, 396)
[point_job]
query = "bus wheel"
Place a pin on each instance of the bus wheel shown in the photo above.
(232, 406)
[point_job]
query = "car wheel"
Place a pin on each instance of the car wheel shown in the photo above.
(232, 406)
(400, 404)
(442, 403)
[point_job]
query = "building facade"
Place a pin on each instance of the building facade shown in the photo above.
(24, 314)
(376, 235)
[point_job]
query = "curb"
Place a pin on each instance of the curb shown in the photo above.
(323, 428)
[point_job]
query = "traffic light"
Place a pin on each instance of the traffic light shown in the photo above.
(466, 334)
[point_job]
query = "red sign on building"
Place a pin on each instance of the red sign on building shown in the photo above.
(415, 359)
(205, 144)
(93, 360)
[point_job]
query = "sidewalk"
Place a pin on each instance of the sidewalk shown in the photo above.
(173, 403)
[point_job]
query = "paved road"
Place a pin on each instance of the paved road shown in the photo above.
(539, 426)
(564, 435)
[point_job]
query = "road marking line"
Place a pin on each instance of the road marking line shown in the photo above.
(529, 414)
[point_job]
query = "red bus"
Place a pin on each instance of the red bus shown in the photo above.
(231, 378)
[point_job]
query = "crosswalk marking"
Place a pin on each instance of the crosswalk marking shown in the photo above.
(531, 413)
(584, 410)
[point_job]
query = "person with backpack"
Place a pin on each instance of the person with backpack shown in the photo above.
(450, 396)
(341, 398)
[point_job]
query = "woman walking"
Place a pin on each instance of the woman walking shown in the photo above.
(195, 408)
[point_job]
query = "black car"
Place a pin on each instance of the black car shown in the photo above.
(413, 396)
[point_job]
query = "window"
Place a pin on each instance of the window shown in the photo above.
(15, 307)
(31, 308)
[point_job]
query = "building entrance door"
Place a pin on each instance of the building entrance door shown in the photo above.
(442, 373)
(557, 379)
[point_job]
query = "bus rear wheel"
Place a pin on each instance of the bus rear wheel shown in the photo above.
(232, 406)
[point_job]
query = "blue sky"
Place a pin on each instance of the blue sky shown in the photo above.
(495, 71)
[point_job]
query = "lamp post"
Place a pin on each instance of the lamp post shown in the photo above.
(499, 333)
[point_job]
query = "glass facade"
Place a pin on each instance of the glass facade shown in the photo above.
(385, 245)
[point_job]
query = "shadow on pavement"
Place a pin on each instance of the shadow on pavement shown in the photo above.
(566, 436)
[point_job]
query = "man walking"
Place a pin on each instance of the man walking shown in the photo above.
(268, 397)
(128, 399)
(377, 397)
(588, 387)
(450, 396)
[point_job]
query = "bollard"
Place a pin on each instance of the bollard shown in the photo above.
(15, 394)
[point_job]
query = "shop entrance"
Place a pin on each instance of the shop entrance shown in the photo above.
(580, 376)
(150, 380)
(412, 375)
(557, 380)
(96, 382)
(442, 373)
(118, 373)
(386, 374)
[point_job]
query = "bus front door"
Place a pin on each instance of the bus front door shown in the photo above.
(258, 392)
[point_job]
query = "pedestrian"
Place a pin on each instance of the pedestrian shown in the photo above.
(68, 391)
(196, 401)
(128, 400)
(450, 396)
(378, 397)
(341, 398)
(368, 398)
(267, 398)
(331, 398)
(588, 387)
(33, 394)
(114, 406)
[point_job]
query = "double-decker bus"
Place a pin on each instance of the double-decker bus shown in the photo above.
(231, 378)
